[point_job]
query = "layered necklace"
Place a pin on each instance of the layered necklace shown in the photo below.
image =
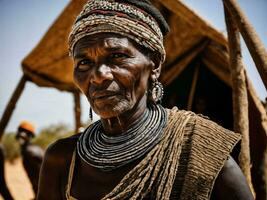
(111, 152)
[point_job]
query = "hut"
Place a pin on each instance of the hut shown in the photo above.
(196, 74)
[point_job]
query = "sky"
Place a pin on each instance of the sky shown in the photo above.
(24, 22)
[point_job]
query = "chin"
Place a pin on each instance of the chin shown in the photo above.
(113, 110)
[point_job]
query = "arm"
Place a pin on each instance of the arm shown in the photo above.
(3, 186)
(49, 182)
(231, 184)
(54, 170)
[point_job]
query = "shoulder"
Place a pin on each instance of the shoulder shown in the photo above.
(231, 183)
(61, 149)
(201, 126)
(34, 149)
(60, 144)
(55, 167)
(205, 149)
(58, 154)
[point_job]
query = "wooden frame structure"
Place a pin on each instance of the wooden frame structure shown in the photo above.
(237, 23)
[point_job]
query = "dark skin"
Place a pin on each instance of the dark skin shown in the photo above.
(32, 157)
(113, 73)
(4, 191)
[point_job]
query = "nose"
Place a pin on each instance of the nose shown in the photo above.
(100, 74)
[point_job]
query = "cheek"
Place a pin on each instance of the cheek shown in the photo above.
(124, 75)
(81, 81)
(141, 77)
(140, 86)
(136, 82)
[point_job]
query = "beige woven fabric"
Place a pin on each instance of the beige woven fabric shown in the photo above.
(184, 165)
(206, 146)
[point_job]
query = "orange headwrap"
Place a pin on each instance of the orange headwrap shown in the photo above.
(27, 126)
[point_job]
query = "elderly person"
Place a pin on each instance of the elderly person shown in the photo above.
(138, 149)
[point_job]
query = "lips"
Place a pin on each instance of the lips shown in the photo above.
(103, 94)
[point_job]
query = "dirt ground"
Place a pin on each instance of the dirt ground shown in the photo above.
(17, 181)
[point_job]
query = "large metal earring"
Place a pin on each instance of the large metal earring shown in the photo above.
(91, 115)
(156, 92)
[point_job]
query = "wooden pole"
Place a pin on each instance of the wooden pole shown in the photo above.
(193, 88)
(11, 105)
(253, 42)
(77, 111)
(240, 98)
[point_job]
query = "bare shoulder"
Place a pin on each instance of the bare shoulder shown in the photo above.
(61, 148)
(54, 168)
(36, 152)
(231, 183)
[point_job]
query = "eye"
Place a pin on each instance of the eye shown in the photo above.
(84, 65)
(118, 55)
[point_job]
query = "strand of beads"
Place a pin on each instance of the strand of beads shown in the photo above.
(110, 152)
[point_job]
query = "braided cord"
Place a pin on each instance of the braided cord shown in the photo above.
(157, 171)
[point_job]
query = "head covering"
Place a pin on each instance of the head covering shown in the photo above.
(135, 20)
(27, 126)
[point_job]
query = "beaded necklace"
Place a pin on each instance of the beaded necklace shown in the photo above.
(111, 152)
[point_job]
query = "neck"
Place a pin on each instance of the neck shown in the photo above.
(119, 124)
(25, 144)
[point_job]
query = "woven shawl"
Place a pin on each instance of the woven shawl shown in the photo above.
(184, 165)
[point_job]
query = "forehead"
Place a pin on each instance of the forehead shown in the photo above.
(103, 40)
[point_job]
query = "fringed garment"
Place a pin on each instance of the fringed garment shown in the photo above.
(184, 165)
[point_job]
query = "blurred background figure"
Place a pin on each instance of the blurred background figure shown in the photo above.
(32, 155)
(4, 192)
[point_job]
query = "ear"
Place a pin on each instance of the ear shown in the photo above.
(156, 70)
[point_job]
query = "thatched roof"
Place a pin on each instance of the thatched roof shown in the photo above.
(45, 63)
(48, 64)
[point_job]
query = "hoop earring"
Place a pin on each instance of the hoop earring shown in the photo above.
(91, 115)
(156, 91)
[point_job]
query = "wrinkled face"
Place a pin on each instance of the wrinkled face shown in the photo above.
(112, 72)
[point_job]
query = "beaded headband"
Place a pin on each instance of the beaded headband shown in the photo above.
(110, 16)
